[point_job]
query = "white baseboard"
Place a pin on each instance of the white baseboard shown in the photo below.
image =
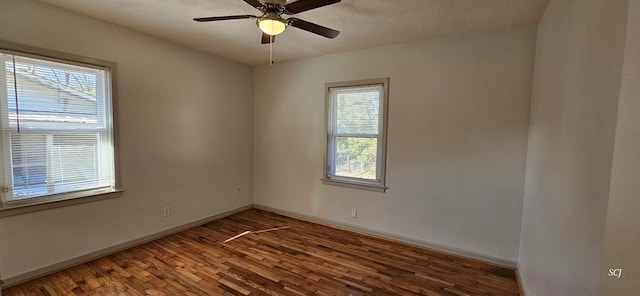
(25, 277)
(394, 237)
(521, 282)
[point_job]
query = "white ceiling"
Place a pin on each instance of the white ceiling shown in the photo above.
(362, 23)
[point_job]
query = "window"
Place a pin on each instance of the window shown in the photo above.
(57, 129)
(356, 120)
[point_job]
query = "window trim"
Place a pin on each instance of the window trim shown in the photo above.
(350, 182)
(69, 198)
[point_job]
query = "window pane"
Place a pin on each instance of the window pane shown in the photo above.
(29, 165)
(52, 95)
(358, 111)
(54, 163)
(74, 162)
(356, 157)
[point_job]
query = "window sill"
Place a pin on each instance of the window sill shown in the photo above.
(46, 205)
(355, 185)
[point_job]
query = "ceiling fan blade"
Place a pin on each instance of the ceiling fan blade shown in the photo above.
(254, 3)
(304, 5)
(224, 18)
(313, 28)
(266, 38)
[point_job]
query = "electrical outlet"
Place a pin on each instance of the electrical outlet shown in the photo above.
(354, 213)
(167, 211)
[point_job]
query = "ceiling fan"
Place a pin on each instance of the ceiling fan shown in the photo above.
(271, 22)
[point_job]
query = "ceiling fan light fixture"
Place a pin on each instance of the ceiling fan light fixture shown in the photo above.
(271, 26)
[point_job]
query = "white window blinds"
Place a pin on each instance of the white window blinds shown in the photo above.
(355, 131)
(57, 136)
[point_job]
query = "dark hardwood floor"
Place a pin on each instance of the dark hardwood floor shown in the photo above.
(306, 259)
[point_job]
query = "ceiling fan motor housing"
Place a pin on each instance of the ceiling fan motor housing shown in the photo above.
(279, 2)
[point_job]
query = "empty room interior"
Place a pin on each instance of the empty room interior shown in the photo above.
(320, 147)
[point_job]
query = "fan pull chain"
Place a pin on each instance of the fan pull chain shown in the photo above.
(270, 50)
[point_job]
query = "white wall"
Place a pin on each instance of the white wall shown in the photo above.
(573, 118)
(185, 132)
(622, 232)
(458, 123)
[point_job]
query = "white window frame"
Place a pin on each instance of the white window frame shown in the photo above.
(329, 176)
(9, 208)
